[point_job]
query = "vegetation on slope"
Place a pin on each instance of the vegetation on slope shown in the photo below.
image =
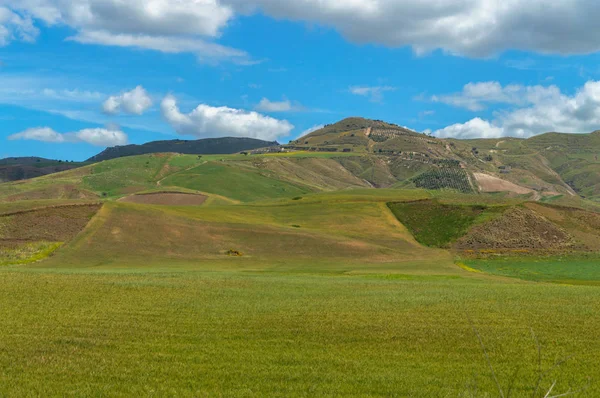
(444, 178)
(244, 184)
(435, 224)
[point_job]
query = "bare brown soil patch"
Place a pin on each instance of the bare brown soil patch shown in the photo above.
(167, 199)
(583, 225)
(53, 224)
(517, 229)
(488, 183)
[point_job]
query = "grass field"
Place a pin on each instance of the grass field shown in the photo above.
(192, 333)
(568, 269)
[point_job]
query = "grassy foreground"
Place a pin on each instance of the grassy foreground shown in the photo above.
(287, 334)
(332, 296)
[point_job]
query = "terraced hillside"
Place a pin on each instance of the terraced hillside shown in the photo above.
(545, 166)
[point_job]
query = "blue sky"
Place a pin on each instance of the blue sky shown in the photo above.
(74, 82)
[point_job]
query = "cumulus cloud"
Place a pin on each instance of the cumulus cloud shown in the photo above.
(94, 136)
(477, 96)
(135, 102)
(44, 134)
(475, 128)
(102, 137)
(162, 25)
(477, 28)
(547, 109)
(206, 121)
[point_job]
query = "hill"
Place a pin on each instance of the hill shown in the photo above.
(23, 168)
(545, 166)
(208, 146)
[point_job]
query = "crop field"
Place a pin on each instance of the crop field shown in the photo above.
(568, 269)
(444, 178)
(142, 331)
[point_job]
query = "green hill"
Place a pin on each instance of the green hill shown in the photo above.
(209, 146)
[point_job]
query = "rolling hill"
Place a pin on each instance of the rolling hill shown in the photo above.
(545, 166)
(209, 146)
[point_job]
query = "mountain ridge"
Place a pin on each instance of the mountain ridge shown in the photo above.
(207, 146)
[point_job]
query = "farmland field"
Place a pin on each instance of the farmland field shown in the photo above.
(569, 269)
(190, 332)
(278, 289)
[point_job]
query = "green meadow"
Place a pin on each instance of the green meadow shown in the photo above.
(280, 287)
(567, 269)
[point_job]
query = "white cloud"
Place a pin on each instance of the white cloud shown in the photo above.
(547, 109)
(475, 128)
(102, 137)
(478, 28)
(207, 121)
(266, 105)
(477, 96)
(206, 51)
(94, 136)
(374, 93)
(161, 25)
(135, 102)
(14, 26)
(44, 134)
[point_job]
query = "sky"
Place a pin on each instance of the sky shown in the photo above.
(77, 76)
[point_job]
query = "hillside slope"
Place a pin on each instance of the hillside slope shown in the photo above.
(209, 146)
(549, 165)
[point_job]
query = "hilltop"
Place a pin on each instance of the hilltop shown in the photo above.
(548, 165)
(208, 146)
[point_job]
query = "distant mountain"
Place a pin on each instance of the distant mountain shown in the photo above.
(208, 146)
(15, 169)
